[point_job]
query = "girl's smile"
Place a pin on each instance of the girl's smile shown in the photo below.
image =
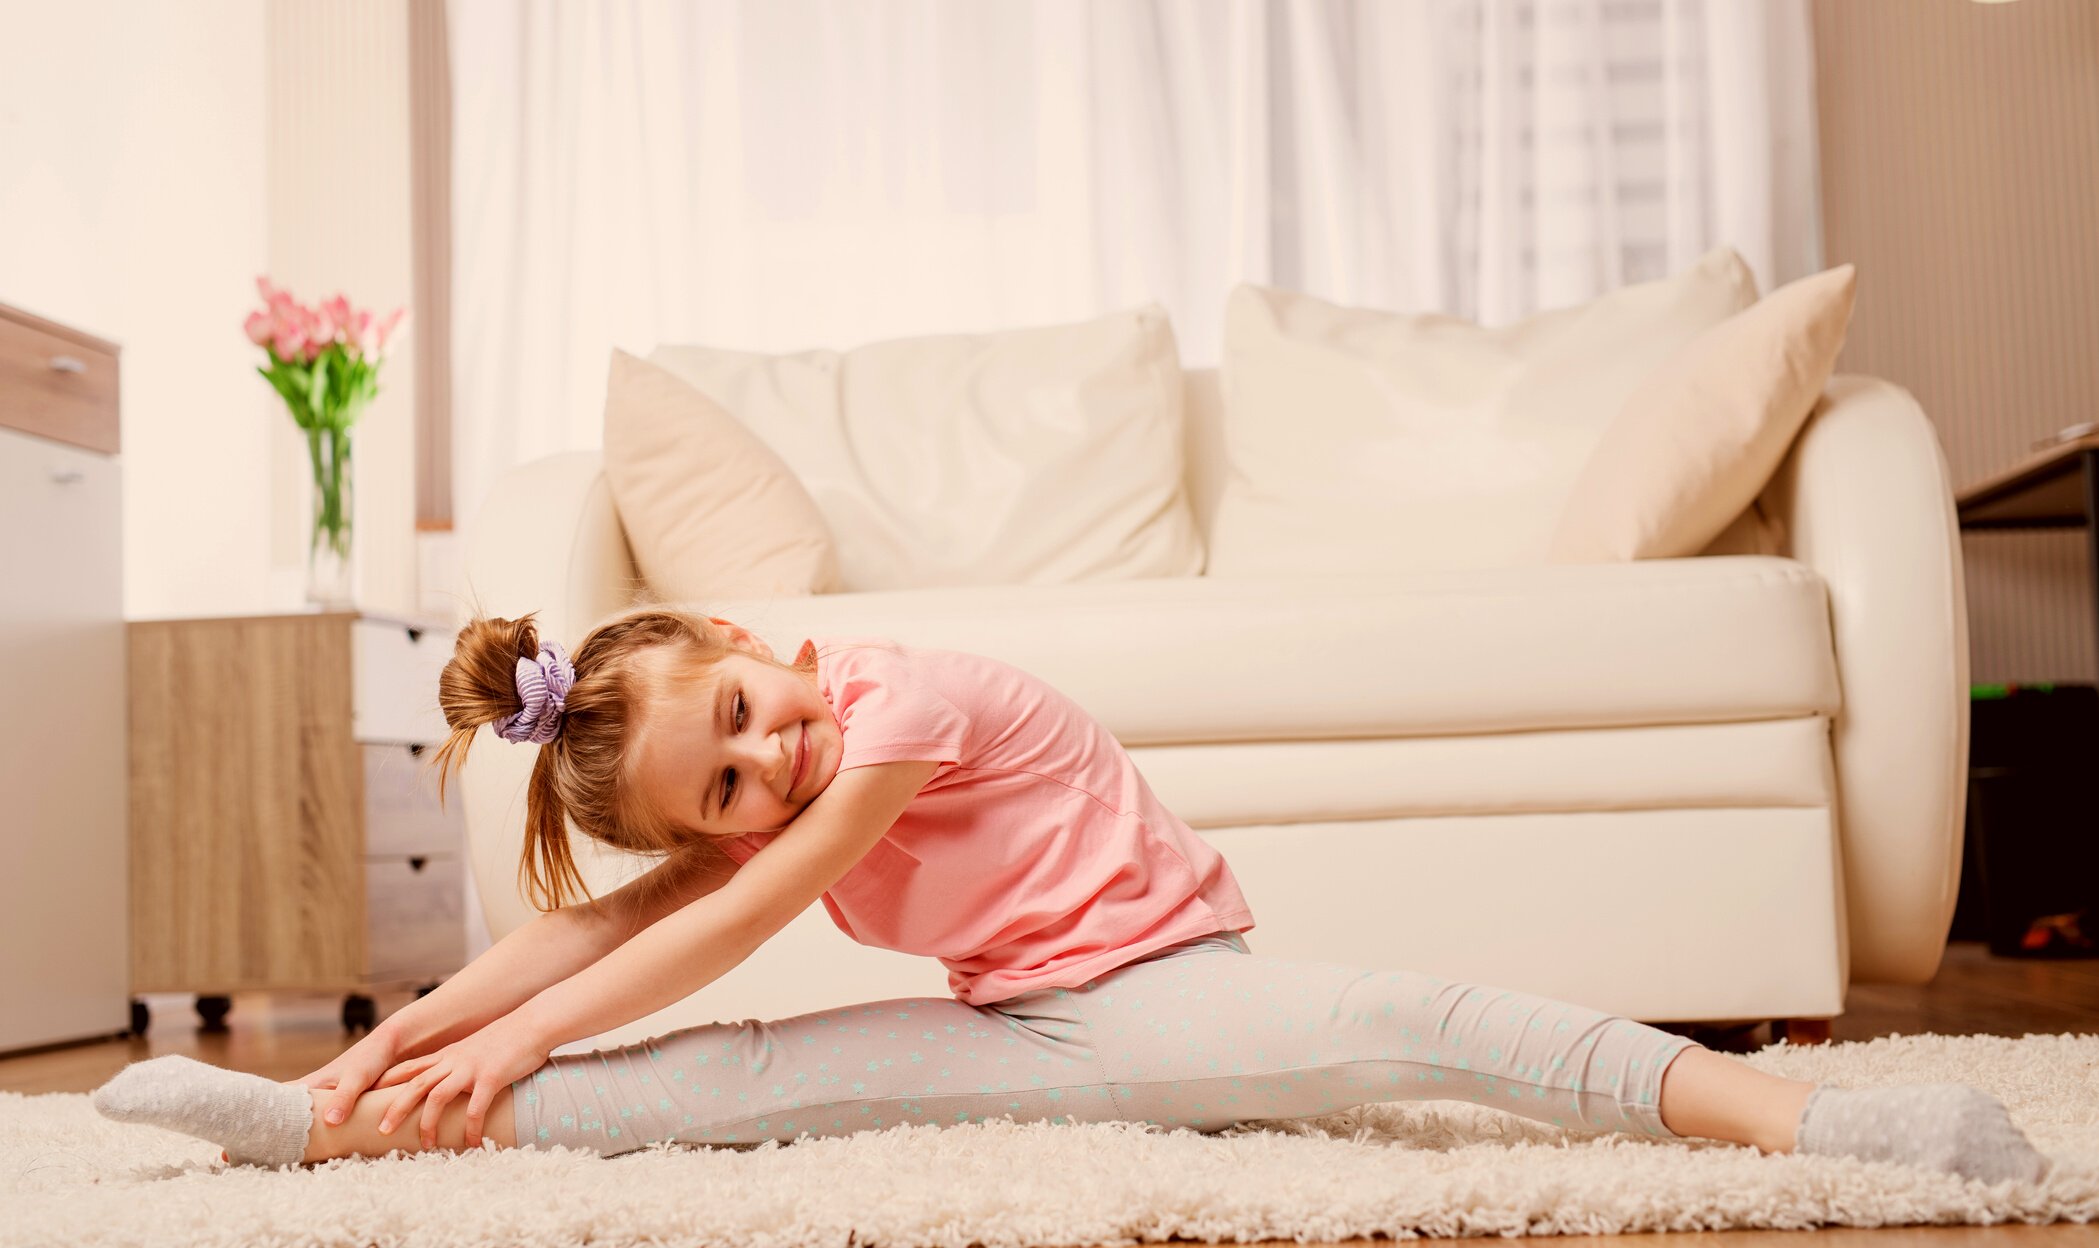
(801, 761)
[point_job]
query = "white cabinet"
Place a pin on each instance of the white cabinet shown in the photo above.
(64, 920)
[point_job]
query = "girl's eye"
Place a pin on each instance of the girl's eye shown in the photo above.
(729, 779)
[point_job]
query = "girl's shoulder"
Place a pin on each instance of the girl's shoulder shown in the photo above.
(841, 645)
(962, 674)
(893, 702)
(869, 653)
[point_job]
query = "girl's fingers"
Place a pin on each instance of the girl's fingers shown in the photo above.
(340, 1109)
(414, 1066)
(476, 1108)
(434, 1108)
(402, 1104)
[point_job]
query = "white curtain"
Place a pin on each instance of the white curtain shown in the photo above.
(781, 175)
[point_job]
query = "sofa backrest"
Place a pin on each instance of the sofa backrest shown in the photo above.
(1204, 432)
(1752, 533)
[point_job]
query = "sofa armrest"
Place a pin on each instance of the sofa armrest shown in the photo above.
(1863, 497)
(547, 540)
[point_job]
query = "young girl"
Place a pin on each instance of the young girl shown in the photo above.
(951, 805)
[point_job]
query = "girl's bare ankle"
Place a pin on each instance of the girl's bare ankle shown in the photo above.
(1780, 1130)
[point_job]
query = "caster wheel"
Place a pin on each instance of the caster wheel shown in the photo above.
(425, 991)
(359, 1012)
(141, 1017)
(213, 1010)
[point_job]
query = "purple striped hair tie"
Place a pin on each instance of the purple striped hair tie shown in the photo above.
(544, 685)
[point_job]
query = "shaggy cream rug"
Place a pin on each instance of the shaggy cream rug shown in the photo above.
(1403, 1170)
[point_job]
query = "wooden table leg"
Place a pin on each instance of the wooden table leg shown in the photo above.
(1800, 1030)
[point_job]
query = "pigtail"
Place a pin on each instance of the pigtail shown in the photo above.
(547, 867)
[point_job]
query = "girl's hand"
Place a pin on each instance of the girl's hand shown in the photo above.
(481, 1065)
(352, 1072)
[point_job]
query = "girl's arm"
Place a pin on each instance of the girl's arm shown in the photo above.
(704, 940)
(547, 950)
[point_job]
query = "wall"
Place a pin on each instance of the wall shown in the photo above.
(1960, 169)
(133, 206)
(339, 205)
(153, 160)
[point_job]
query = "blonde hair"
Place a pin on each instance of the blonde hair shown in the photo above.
(586, 774)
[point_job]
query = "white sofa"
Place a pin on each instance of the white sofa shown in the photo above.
(1680, 790)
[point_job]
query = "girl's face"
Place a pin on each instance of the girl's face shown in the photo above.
(722, 758)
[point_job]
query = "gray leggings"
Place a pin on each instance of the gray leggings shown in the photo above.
(1202, 1034)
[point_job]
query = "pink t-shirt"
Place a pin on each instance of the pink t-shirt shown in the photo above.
(1036, 856)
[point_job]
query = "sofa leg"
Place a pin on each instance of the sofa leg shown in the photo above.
(1800, 1030)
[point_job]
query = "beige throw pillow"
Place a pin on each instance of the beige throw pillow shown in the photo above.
(710, 511)
(1371, 442)
(1697, 441)
(1041, 455)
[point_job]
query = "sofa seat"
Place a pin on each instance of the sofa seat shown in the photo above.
(1198, 660)
(1646, 740)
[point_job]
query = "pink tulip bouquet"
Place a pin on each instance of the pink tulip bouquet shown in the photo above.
(324, 362)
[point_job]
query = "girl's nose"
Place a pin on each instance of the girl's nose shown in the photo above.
(774, 761)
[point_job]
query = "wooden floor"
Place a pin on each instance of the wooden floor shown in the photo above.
(287, 1037)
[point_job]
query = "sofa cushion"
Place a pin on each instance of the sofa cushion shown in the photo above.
(1372, 441)
(1043, 455)
(708, 509)
(1702, 434)
(1742, 764)
(1658, 641)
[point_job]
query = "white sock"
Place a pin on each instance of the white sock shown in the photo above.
(258, 1121)
(1948, 1126)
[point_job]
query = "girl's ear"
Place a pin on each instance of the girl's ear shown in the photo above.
(743, 637)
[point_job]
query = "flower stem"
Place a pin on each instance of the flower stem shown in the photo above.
(328, 481)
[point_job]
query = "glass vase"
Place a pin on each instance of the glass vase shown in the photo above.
(330, 569)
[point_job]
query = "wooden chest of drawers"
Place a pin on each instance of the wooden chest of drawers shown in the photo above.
(285, 827)
(60, 384)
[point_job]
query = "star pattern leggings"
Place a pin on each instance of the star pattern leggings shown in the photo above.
(1202, 1034)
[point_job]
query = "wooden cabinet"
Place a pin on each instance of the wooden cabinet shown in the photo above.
(285, 827)
(63, 944)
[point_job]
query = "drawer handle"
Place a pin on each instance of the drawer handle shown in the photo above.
(70, 476)
(68, 364)
(417, 864)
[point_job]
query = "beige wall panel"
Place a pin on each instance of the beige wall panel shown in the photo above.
(1958, 173)
(339, 208)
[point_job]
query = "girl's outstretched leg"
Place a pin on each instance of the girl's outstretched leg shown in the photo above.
(264, 1122)
(1947, 1126)
(1205, 1036)
(1216, 1035)
(833, 1072)
(358, 1135)
(1715, 1096)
